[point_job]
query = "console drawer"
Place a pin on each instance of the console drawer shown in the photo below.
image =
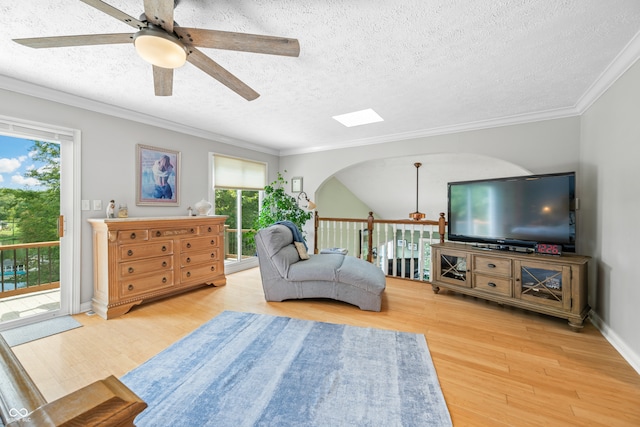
(202, 243)
(492, 284)
(143, 284)
(202, 272)
(130, 236)
(132, 268)
(172, 232)
(188, 259)
(131, 252)
(212, 229)
(490, 265)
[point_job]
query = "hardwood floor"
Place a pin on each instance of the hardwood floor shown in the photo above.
(498, 366)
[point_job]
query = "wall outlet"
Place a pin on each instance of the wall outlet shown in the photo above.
(97, 205)
(85, 205)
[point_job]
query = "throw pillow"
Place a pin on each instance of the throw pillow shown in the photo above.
(302, 251)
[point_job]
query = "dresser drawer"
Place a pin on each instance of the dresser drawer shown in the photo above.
(492, 284)
(144, 284)
(201, 243)
(133, 268)
(213, 229)
(196, 258)
(129, 236)
(131, 252)
(499, 266)
(156, 233)
(202, 272)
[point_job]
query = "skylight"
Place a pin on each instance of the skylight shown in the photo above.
(357, 118)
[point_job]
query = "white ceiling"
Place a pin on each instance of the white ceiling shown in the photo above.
(426, 66)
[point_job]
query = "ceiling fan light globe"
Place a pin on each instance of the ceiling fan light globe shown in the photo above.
(160, 49)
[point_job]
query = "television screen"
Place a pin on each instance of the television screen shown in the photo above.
(516, 211)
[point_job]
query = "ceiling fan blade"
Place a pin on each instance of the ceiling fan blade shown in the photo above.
(160, 13)
(83, 40)
(163, 81)
(216, 71)
(238, 41)
(116, 13)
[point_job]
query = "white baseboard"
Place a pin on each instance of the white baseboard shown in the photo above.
(628, 354)
(234, 267)
(85, 306)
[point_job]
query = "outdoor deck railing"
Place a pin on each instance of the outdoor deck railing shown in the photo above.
(29, 267)
(399, 247)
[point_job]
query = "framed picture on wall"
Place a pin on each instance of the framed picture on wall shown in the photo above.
(296, 184)
(157, 176)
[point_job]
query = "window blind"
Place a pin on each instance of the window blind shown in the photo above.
(235, 173)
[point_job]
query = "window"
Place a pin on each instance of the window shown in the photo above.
(238, 184)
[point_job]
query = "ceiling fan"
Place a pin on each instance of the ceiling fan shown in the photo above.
(164, 44)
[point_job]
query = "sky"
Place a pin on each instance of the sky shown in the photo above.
(15, 161)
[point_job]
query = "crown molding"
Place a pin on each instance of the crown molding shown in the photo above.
(444, 130)
(620, 64)
(65, 98)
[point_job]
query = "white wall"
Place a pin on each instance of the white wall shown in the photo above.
(108, 162)
(610, 160)
(338, 202)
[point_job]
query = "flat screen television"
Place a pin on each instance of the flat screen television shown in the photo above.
(516, 212)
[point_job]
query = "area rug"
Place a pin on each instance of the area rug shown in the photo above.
(244, 369)
(35, 331)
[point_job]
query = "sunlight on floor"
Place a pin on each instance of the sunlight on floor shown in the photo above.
(22, 306)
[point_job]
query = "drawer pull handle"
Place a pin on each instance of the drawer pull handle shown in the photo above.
(158, 233)
(133, 236)
(192, 230)
(491, 265)
(130, 287)
(493, 285)
(130, 252)
(164, 280)
(209, 229)
(164, 249)
(188, 260)
(213, 242)
(213, 268)
(188, 274)
(213, 255)
(130, 269)
(188, 245)
(164, 263)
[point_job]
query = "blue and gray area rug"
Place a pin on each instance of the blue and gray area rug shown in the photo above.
(243, 369)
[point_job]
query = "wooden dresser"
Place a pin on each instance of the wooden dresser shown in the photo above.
(140, 259)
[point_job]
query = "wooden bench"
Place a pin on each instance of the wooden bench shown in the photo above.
(107, 402)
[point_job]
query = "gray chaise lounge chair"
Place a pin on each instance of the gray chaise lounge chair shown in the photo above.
(335, 276)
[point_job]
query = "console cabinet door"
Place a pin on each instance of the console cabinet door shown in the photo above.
(452, 267)
(543, 283)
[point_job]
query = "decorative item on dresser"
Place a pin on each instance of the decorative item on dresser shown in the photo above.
(140, 259)
(553, 285)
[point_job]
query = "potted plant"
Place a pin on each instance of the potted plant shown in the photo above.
(277, 205)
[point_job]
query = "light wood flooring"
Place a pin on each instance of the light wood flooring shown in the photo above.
(498, 366)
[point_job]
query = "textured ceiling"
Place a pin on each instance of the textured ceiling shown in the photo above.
(424, 65)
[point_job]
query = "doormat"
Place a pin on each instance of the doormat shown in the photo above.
(35, 331)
